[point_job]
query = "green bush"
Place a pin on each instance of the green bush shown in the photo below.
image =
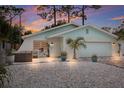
(63, 56)
(63, 53)
(4, 75)
(94, 58)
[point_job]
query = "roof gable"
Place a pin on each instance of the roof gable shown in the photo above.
(59, 28)
(81, 27)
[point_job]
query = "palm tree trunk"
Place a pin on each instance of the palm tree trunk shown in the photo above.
(74, 56)
(83, 19)
(54, 9)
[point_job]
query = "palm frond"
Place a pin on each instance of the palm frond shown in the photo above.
(80, 39)
(82, 44)
(68, 41)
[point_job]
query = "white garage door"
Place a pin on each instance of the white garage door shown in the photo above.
(100, 49)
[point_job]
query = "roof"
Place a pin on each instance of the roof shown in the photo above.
(67, 31)
(104, 31)
(40, 32)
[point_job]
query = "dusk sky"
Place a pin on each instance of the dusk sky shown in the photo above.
(105, 16)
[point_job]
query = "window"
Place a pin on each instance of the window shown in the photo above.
(87, 31)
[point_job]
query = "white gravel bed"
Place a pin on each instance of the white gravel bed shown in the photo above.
(66, 74)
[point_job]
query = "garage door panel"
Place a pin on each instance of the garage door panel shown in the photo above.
(100, 49)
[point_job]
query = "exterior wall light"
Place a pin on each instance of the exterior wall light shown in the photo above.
(51, 44)
(113, 43)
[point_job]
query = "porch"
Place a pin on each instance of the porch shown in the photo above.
(50, 47)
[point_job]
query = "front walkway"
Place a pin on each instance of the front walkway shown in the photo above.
(66, 74)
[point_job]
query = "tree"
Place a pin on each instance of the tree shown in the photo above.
(81, 11)
(75, 44)
(10, 12)
(20, 12)
(120, 34)
(43, 12)
(15, 36)
(68, 9)
(5, 29)
(27, 32)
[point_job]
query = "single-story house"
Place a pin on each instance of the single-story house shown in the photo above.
(53, 41)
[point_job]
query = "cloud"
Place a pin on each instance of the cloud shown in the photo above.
(118, 18)
(33, 22)
(103, 10)
(35, 25)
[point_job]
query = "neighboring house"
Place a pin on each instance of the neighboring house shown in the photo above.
(98, 41)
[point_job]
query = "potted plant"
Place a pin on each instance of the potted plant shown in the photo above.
(94, 58)
(63, 56)
(10, 57)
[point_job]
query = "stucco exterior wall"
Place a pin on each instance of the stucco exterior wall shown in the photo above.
(92, 35)
(27, 45)
(55, 49)
(98, 43)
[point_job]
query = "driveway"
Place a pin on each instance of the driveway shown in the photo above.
(66, 74)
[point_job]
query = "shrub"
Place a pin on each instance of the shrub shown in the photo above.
(4, 75)
(63, 53)
(94, 58)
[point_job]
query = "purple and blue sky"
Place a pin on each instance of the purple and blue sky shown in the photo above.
(108, 15)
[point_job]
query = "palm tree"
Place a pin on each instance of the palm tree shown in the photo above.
(68, 9)
(75, 44)
(52, 12)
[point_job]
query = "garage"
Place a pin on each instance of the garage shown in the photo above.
(97, 48)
